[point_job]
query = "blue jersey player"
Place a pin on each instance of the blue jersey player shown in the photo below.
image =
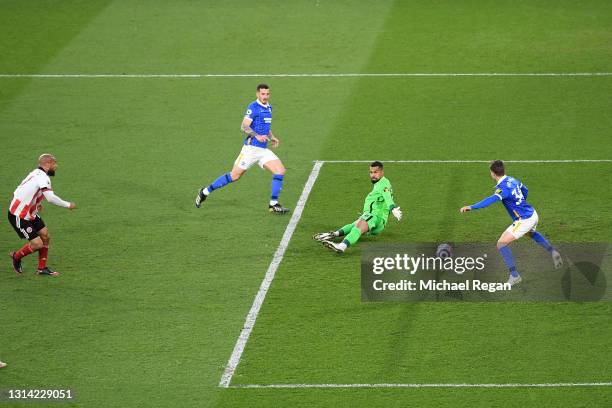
(256, 126)
(513, 195)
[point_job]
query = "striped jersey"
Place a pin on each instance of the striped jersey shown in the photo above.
(28, 196)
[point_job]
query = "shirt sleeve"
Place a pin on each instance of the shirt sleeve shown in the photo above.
(524, 190)
(502, 192)
(250, 112)
(487, 201)
(44, 183)
(53, 199)
(387, 194)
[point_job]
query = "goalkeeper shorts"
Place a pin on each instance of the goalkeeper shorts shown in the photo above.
(376, 224)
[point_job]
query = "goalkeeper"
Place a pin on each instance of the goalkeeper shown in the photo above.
(376, 208)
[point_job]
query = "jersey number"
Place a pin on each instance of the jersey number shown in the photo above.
(518, 194)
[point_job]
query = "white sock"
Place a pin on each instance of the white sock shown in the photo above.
(273, 202)
(342, 246)
(205, 191)
(336, 234)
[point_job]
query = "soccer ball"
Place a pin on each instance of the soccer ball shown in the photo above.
(444, 251)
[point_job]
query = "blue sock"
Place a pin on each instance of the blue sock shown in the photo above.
(539, 238)
(277, 186)
(506, 253)
(220, 182)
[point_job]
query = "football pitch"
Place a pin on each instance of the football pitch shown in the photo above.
(162, 304)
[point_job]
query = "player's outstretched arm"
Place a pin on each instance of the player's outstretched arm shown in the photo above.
(53, 199)
(395, 210)
(481, 204)
(386, 194)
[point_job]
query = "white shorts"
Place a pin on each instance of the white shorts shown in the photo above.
(249, 155)
(521, 227)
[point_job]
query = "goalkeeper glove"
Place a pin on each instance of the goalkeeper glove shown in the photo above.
(397, 213)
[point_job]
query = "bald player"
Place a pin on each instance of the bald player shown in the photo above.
(23, 214)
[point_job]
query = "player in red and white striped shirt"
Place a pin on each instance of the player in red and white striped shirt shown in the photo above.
(23, 213)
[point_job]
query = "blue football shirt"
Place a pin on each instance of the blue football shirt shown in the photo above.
(262, 122)
(514, 197)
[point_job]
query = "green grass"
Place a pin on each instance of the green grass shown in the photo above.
(317, 298)
(153, 293)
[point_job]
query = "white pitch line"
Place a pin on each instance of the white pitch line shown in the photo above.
(503, 385)
(265, 284)
(472, 161)
(322, 75)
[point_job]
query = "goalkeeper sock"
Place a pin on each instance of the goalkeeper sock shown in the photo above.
(218, 183)
(506, 253)
(344, 230)
(539, 238)
(277, 186)
(352, 237)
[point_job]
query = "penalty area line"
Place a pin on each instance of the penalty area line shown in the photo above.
(441, 385)
(249, 323)
(472, 161)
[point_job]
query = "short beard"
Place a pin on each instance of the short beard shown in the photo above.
(374, 181)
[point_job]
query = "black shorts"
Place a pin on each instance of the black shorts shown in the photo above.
(26, 229)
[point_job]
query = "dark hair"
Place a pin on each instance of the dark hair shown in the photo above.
(262, 86)
(376, 164)
(497, 167)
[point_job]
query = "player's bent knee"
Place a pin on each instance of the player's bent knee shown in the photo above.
(276, 167)
(502, 243)
(44, 234)
(362, 225)
(235, 175)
